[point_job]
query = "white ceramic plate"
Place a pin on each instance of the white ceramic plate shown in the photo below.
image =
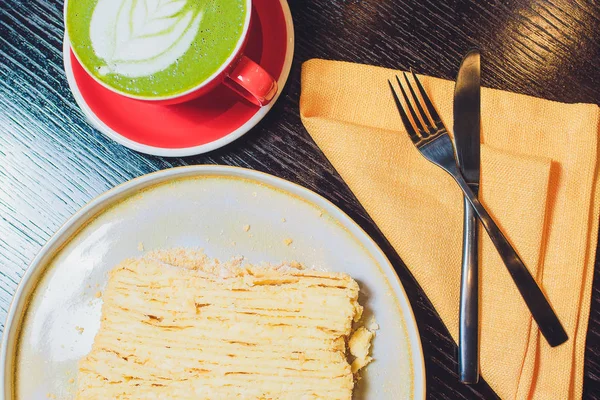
(206, 207)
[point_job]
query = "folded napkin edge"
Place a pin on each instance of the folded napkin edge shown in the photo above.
(313, 62)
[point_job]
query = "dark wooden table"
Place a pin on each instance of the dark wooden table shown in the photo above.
(52, 162)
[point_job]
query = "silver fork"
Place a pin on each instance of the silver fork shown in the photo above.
(432, 140)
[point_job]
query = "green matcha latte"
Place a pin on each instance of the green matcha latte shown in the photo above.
(154, 48)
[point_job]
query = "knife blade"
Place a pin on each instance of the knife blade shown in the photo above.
(467, 105)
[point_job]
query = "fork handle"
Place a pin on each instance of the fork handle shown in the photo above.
(468, 326)
(540, 308)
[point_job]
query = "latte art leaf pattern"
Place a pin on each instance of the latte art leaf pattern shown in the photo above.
(138, 38)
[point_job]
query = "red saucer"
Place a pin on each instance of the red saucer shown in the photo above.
(198, 126)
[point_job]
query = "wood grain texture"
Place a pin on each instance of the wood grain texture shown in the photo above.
(52, 162)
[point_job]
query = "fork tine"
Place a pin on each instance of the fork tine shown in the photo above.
(437, 121)
(422, 130)
(428, 126)
(405, 120)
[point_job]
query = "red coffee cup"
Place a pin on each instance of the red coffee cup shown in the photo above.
(239, 73)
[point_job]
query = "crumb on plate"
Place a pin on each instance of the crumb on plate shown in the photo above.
(373, 325)
(360, 345)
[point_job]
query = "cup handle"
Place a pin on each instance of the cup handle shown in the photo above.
(252, 82)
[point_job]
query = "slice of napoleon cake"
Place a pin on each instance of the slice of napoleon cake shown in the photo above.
(178, 325)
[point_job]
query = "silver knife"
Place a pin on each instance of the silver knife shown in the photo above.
(467, 104)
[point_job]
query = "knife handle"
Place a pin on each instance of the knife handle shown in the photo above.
(468, 328)
(536, 301)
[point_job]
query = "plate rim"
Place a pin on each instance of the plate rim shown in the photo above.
(106, 199)
(258, 116)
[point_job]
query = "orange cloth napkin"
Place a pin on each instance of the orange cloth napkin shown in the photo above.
(538, 180)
